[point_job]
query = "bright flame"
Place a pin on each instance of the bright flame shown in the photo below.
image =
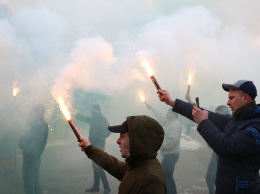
(141, 97)
(148, 68)
(15, 91)
(15, 88)
(190, 76)
(63, 108)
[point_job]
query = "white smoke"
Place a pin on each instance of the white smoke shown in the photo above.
(68, 46)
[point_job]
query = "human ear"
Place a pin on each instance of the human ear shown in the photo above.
(247, 98)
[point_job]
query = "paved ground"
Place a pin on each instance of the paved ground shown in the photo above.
(67, 170)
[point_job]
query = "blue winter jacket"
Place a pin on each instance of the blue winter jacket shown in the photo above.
(237, 142)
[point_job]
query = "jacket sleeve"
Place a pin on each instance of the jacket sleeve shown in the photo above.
(219, 120)
(242, 143)
(111, 164)
(83, 118)
(183, 108)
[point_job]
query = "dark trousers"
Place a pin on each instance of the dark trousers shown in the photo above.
(168, 165)
(31, 177)
(99, 173)
(211, 173)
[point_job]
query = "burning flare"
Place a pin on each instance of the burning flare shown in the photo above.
(63, 109)
(151, 74)
(66, 113)
(142, 97)
(147, 67)
(190, 76)
(15, 88)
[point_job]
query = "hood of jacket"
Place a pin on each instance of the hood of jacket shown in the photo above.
(145, 137)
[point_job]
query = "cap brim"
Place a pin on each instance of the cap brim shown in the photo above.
(228, 87)
(119, 128)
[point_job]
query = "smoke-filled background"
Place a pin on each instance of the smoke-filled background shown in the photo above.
(88, 52)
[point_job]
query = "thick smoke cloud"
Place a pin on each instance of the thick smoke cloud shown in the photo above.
(93, 68)
(89, 52)
(84, 46)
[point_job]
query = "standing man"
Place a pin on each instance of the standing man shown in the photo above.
(97, 135)
(235, 139)
(140, 139)
(171, 145)
(32, 143)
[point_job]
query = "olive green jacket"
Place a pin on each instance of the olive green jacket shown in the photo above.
(142, 172)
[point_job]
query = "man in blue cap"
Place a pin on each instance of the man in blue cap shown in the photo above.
(235, 138)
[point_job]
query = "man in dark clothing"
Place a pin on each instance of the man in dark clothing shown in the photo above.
(140, 139)
(97, 135)
(32, 143)
(235, 139)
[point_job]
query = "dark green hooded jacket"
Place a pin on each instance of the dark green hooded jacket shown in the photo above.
(142, 172)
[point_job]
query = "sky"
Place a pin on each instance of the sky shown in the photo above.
(88, 52)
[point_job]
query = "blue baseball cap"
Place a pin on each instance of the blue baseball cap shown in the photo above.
(246, 86)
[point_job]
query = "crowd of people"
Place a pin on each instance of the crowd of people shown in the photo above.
(234, 138)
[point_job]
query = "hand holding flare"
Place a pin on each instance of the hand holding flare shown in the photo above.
(68, 117)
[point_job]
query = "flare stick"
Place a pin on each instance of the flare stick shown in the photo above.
(75, 130)
(188, 90)
(155, 82)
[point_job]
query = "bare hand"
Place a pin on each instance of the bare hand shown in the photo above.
(199, 115)
(84, 143)
(164, 96)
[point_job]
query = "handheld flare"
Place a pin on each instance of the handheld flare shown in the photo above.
(68, 117)
(75, 130)
(188, 90)
(189, 82)
(151, 74)
(155, 82)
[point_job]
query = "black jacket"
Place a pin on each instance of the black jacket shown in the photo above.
(98, 129)
(33, 141)
(237, 142)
